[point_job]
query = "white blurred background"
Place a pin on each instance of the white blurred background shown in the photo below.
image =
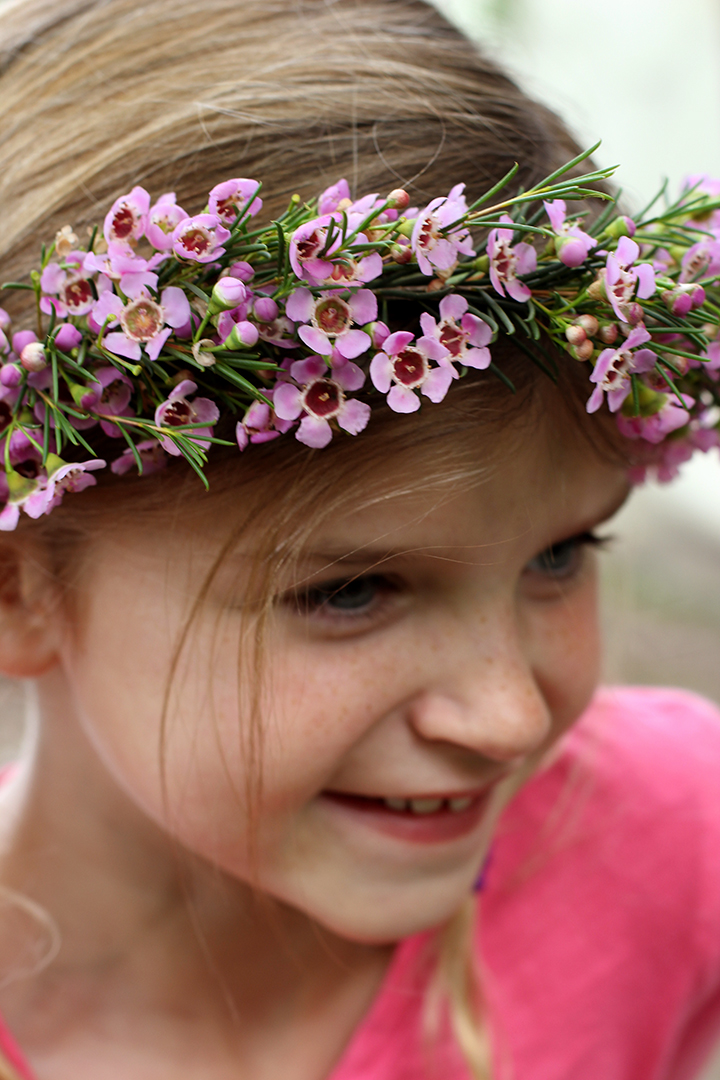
(645, 77)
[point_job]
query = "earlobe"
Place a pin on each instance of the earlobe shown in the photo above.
(28, 615)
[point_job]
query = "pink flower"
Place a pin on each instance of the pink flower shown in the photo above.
(74, 292)
(332, 320)
(683, 298)
(126, 220)
(435, 243)
(321, 399)
(68, 337)
(614, 367)
(178, 411)
(465, 336)
(507, 262)
(307, 244)
(701, 260)
(133, 273)
(404, 367)
(333, 196)
(200, 238)
(37, 493)
(142, 321)
(260, 424)
(151, 453)
(622, 278)
(572, 244)
(658, 426)
(110, 396)
(231, 200)
(162, 220)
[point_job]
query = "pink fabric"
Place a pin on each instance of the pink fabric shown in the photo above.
(599, 927)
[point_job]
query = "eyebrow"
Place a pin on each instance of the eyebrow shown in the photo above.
(373, 554)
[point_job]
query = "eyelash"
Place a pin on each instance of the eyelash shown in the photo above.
(549, 561)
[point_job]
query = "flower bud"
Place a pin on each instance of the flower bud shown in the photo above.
(596, 289)
(4, 343)
(5, 319)
(243, 271)
(621, 226)
(583, 351)
(242, 336)
(401, 253)
(65, 241)
(21, 339)
(608, 333)
(589, 324)
(228, 293)
(398, 199)
(575, 335)
(265, 309)
(635, 314)
(683, 299)
(10, 375)
(68, 337)
(379, 332)
(32, 357)
(570, 250)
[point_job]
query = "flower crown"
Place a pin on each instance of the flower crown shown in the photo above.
(167, 320)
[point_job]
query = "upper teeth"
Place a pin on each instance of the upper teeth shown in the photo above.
(429, 806)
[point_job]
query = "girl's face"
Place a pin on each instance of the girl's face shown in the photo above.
(425, 656)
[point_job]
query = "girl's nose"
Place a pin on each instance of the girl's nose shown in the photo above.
(488, 702)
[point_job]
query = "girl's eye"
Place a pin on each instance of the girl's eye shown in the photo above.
(564, 559)
(357, 596)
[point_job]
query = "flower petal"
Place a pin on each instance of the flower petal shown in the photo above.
(402, 400)
(353, 416)
(287, 401)
(381, 372)
(352, 343)
(314, 432)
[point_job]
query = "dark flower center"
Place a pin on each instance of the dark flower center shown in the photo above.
(312, 244)
(29, 469)
(323, 399)
(332, 316)
(410, 368)
(123, 222)
(5, 415)
(178, 413)
(76, 292)
(142, 320)
(196, 239)
(453, 338)
(227, 209)
(427, 234)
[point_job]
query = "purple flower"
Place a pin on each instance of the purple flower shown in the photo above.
(260, 424)
(151, 453)
(178, 411)
(39, 491)
(622, 278)
(321, 399)
(133, 273)
(404, 367)
(231, 199)
(200, 238)
(435, 243)
(332, 320)
(465, 336)
(126, 220)
(507, 262)
(142, 321)
(68, 337)
(307, 244)
(614, 367)
(572, 244)
(162, 220)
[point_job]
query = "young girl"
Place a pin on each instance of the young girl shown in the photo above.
(256, 830)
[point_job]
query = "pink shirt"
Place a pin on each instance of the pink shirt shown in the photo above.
(599, 926)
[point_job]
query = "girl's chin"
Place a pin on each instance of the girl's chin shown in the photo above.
(441, 825)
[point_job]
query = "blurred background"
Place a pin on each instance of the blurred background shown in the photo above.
(645, 78)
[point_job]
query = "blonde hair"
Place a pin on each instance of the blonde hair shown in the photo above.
(99, 95)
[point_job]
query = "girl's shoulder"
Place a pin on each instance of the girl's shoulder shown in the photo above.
(602, 906)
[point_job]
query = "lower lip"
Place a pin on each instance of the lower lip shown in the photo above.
(437, 828)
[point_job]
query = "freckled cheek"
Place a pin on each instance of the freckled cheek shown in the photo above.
(566, 653)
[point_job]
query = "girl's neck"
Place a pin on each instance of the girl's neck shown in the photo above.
(158, 948)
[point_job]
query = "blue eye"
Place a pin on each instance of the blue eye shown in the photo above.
(344, 597)
(562, 559)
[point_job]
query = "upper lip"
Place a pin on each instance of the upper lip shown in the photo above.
(462, 793)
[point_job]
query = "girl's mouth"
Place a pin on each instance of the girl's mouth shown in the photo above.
(423, 819)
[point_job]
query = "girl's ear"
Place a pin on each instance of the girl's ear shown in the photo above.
(29, 611)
